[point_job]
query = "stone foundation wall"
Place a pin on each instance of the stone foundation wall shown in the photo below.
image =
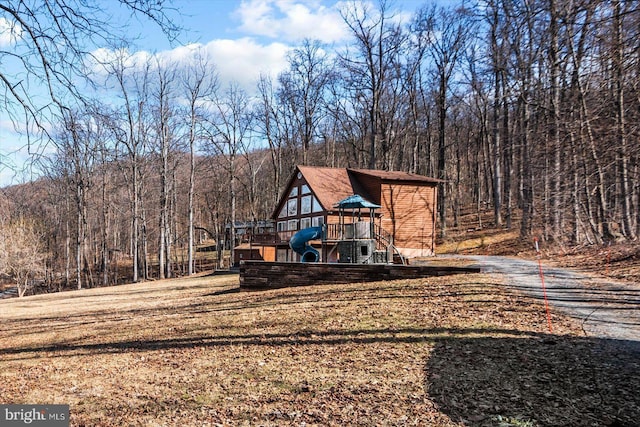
(271, 275)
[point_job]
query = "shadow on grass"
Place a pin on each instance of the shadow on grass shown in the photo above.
(476, 376)
(234, 299)
(298, 338)
(227, 291)
(536, 381)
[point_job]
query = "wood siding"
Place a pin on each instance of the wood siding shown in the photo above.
(409, 215)
(256, 252)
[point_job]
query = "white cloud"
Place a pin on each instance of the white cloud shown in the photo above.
(241, 61)
(292, 20)
(10, 32)
(181, 54)
(272, 28)
(102, 56)
(244, 59)
(256, 17)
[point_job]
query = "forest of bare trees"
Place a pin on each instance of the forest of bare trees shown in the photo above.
(527, 109)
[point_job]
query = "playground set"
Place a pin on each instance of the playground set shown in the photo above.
(354, 239)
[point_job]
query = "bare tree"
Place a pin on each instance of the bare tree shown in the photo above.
(619, 55)
(368, 69)
(22, 254)
(200, 83)
(418, 114)
(525, 50)
(165, 124)
(130, 128)
(269, 125)
(229, 135)
(50, 42)
(303, 90)
(451, 32)
(76, 151)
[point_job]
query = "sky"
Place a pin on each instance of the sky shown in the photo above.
(244, 38)
(248, 37)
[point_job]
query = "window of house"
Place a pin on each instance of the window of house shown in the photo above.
(292, 207)
(316, 206)
(305, 204)
(305, 223)
(282, 226)
(304, 189)
(317, 221)
(294, 192)
(292, 225)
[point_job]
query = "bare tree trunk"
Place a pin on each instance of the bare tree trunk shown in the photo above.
(144, 256)
(164, 201)
(623, 155)
(135, 220)
(556, 147)
(79, 238)
(162, 227)
(105, 247)
(192, 179)
(527, 174)
(603, 221)
(232, 192)
(442, 156)
(497, 67)
(67, 244)
(575, 190)
(497, 152)
(508, 157)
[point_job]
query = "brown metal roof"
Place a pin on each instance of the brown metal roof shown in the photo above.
(396, 176)
(330, 185)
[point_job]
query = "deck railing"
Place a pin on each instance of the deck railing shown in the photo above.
(332, 232)
(273, 237)
(383, 238)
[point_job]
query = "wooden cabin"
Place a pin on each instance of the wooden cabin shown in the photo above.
(406, 214)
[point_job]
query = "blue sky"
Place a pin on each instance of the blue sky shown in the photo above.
(243, 37)
(248, 37)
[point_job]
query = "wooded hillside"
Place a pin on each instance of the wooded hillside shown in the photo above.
(529, 109)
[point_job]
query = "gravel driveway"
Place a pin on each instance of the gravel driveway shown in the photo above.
(606, 309)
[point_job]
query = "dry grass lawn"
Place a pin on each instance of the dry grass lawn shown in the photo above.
(447, 351)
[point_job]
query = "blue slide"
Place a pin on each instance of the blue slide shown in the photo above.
(299, 243)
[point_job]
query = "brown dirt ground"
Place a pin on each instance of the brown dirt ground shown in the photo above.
(445, 351)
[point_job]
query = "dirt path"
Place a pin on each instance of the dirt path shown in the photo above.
(606, 309)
